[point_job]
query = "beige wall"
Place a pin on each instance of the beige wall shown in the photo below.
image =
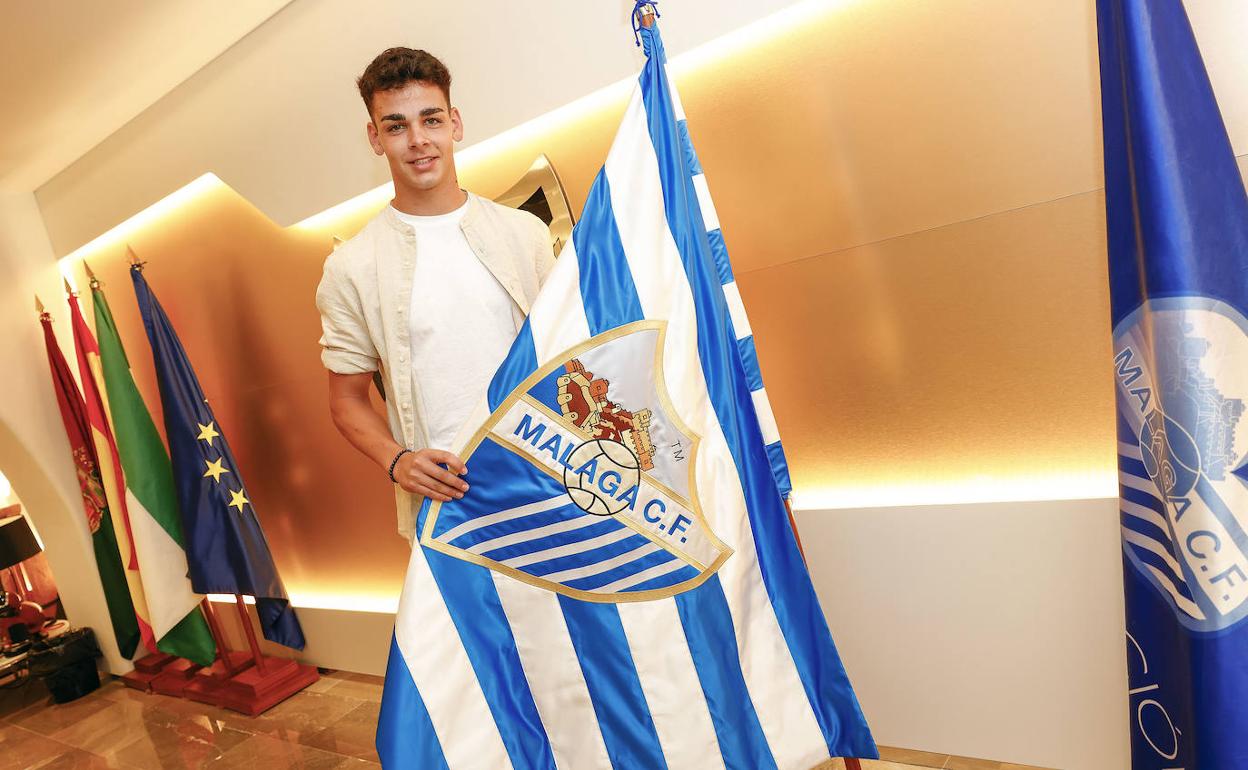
(984, 630)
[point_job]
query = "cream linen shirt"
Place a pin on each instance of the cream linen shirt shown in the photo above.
(365, 294)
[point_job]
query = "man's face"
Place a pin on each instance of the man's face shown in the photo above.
(416, 130)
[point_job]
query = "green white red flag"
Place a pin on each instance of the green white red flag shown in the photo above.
(111, 474)
(151, 503)
(99, 518)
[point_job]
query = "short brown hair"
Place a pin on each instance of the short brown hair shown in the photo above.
(396, 67)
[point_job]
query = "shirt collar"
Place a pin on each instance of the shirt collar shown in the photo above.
(470, 216)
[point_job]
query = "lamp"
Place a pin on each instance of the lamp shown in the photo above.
(17, 544)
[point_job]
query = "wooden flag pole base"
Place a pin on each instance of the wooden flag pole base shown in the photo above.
(146, 669)
(164, 673)
(214, 628)
(207, 684)
(175, 677)
(266, 681)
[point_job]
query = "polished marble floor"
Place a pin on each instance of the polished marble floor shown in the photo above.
(329, 725)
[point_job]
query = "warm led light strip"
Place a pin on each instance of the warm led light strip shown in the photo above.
(1092, 485)
(183, 196)
(378, 603)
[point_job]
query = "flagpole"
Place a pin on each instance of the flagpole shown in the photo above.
(223, 650)
(788, 507)
(251, 633)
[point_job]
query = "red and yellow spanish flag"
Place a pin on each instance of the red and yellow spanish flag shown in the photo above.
(99, 518)
(91, 374)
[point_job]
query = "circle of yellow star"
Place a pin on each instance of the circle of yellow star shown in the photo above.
(208, 432)
(215, 469)
(237, 500)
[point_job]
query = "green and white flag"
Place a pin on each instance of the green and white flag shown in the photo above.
(177, 624)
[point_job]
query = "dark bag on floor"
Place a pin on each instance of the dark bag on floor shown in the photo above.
(66, 665)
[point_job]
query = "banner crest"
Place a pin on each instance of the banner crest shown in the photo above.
(588, 483)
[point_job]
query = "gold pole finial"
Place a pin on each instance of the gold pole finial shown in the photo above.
(337, 241)
(94, 282)
(69, 289)
(39, 307)
(135, 262)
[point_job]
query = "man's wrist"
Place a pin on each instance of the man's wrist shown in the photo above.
(395, 462)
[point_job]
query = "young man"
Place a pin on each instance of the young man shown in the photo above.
(430, 293)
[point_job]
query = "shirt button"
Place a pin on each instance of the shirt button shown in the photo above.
(402, 357)
(407, 406)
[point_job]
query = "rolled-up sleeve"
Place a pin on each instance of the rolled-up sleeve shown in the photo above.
(346, 347)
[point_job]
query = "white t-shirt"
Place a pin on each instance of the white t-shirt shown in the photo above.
(462, 323)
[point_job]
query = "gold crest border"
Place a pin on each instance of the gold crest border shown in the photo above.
(518, 393)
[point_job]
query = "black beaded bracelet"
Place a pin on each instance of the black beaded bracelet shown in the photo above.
(395, 462)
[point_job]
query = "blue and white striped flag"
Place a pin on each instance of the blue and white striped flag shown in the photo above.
(620, 587)
(1177, 225)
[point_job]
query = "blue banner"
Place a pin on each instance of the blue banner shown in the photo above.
(1177, 222)
(226, 550)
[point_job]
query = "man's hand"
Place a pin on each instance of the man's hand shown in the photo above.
(421, 473)
(417, 472)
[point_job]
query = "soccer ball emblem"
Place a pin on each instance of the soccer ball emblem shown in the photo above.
(1169, 454)
(600, 477)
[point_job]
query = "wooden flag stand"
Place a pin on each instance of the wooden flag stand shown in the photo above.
(208, 682)
(250, 683)
(146, 669)
(247, 684)
(174, 677)
(170, 675)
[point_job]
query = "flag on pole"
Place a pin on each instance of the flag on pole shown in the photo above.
(111, 473)
(173, 607)
(99, 518)
(226, 548)
(620, 586)
(1177, 225)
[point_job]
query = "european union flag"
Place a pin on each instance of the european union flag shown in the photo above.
(1177, 219)
(620, 588)
(225, 547)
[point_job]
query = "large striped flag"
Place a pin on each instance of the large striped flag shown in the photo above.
(99, 518)
(226, 549)
(111, 473)
(620, 587)
(152, 504)
(1177, 225)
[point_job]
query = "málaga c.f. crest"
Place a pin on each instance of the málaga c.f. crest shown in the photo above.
(1183, 457)
(583, 480)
